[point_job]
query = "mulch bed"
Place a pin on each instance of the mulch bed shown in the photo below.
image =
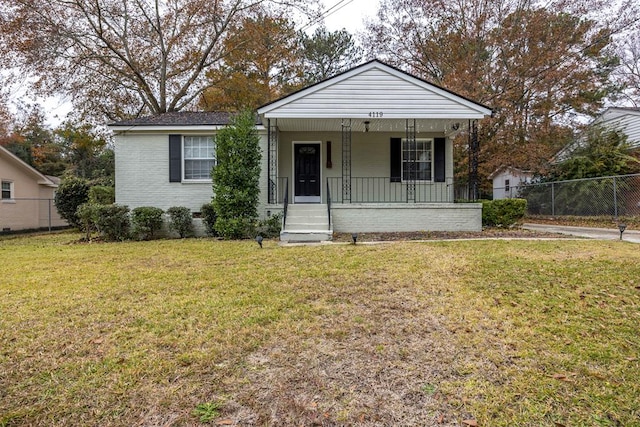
(487, 233)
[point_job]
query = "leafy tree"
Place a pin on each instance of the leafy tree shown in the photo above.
(598, 152)
(84, 149)
(327, 53)
(538, 66)
(236, 177)
(32, 140)
(263, 64)
(71, 193)
(121, 58)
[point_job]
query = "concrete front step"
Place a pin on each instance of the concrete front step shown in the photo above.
(306, 223)
(306, 235)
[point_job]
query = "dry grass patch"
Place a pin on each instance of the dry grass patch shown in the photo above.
(169, 332)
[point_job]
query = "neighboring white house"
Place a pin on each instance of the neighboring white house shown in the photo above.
(367, 150)
(627, 120)
(26, 200)
(507, 181)
(624, 119)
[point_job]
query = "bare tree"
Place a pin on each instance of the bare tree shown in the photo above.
(120, 58)
(628, 73)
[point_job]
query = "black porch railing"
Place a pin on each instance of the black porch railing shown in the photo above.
(280, 189)
(329, 204)
(382, 190)
(285, 202)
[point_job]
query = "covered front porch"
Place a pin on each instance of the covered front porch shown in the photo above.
(368, 159)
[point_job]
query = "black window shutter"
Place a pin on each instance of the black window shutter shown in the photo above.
(396, 160)
(175, 158)
(439, 160)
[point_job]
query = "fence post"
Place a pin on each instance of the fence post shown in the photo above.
(553, 200)
(49, 200)
(615, 198)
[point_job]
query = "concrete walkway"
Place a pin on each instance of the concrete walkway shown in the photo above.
(591, 233)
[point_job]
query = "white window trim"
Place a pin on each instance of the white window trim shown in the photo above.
(11, 198)
(426, 181)
(184, 159)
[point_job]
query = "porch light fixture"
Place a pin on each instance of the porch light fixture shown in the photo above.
(354, 237)
(366, 125)
(622, 227)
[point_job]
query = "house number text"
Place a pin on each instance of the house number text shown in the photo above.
(376, 114)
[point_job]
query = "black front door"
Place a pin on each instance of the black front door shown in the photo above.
(307, 172)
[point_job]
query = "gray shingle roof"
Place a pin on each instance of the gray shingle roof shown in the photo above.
(182, 118)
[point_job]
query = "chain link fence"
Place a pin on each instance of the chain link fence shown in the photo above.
(609, 196)
(21, 214)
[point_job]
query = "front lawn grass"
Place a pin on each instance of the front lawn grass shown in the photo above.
(194, 332)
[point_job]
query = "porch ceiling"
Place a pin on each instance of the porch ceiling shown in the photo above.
(446, 126)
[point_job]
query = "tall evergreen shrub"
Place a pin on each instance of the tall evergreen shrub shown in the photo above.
(236, 177)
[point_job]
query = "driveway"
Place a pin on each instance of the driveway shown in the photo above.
(591, 233)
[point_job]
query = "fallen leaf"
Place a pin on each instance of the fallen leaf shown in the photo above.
(631, 359)
(441, 419)
(472, 423)
(557, 424)
(564, 377)
(226, 422)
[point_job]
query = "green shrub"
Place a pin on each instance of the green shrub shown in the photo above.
(102, 195)
(71, 193)
(209, 218)
(235, 228)
(180, 221)
(236, 177)
(112, 221)
(146, 221)
(87, 215)
(503, 212)
(270, 227)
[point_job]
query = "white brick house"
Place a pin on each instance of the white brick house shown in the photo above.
(367, 150)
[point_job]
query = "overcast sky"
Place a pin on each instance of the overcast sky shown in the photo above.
(351, 15)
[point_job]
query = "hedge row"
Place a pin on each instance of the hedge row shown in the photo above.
(503, 212)
(116, 223)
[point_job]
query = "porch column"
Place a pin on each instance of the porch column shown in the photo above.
(346, 160)
(474, 147)
(413, 171)
(272, 161)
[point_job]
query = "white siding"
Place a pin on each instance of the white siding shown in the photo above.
(356, 218)
(515, 180)
(624, 120)
(377, 91)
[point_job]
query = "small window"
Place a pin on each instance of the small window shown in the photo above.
(417, 159)
(7, 190)
(507, 187)
(199, 157)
